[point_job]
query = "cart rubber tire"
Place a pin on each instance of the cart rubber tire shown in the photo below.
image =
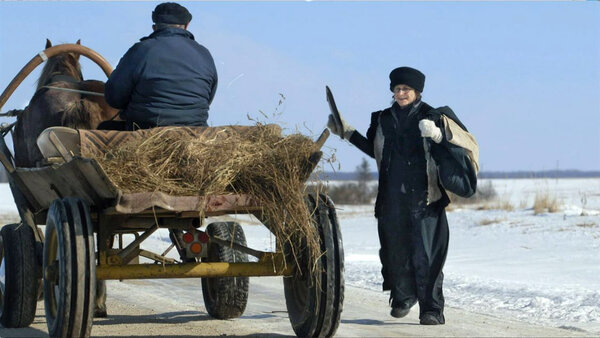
(18, 276)
(225, 297)
(314, 307)
(69, 269)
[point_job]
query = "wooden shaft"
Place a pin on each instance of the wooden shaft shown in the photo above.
(321, 140)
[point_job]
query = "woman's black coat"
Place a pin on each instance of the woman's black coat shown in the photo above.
(455, 171)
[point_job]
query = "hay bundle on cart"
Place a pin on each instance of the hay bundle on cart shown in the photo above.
(195, 161)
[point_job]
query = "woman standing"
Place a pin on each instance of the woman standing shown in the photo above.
(417, 155)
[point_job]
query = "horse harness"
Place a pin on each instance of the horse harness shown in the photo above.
(85, 92)
(69, 79)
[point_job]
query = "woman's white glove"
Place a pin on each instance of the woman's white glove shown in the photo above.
(337, 128)
(429, 129)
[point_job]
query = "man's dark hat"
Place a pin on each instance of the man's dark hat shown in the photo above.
(407, 76)
(171, 13)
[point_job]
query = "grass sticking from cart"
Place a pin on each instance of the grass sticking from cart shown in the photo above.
(259, 162)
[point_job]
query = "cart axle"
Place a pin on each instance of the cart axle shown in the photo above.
(265, 267)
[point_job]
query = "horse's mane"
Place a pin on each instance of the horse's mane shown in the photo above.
(62, 64)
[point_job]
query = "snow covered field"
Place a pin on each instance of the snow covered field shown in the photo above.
(508, 263)
(538, 268)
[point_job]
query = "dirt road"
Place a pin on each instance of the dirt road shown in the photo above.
(174, 308)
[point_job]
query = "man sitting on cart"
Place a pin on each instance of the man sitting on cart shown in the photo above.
(166, 79)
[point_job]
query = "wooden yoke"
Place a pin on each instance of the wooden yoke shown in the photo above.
(45, 55)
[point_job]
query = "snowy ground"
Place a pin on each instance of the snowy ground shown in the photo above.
(537, 268)
(514, 264)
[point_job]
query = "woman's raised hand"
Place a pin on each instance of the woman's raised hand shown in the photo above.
(342, 129)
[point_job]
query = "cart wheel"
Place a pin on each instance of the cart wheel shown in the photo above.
(69, 269)
(314, 306)
(225, 297)
(18, 276)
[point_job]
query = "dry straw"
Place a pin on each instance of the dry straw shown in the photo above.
(257, 161)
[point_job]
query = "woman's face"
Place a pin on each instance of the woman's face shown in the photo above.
(404, 95)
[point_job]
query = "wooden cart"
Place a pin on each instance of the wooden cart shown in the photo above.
(83, 212)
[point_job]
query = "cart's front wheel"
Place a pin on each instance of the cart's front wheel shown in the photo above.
(225, 297)
(314, 301)
(18, 276)
(69, 269)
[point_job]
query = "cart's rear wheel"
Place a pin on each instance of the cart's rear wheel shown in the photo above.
(69, 269)
(225, 297)
(315, 302)
(18, 276)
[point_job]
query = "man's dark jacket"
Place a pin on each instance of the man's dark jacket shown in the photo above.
(165, 79)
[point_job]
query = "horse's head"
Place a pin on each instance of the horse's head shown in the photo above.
(67, 103)
(61, 67)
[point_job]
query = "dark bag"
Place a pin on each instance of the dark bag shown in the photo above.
(455, 169)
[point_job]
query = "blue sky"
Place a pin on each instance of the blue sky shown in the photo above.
(523, 76)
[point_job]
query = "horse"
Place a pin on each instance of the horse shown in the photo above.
(62, 98)
(56, 104)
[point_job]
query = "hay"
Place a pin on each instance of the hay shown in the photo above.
(259, 162)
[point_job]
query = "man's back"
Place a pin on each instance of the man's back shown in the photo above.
(165, 79)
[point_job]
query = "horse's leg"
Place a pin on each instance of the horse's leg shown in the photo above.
(100, 304)
(100, 308)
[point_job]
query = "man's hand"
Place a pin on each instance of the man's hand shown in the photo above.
(337, 128)
(429, 129)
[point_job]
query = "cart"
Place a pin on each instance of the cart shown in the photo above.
(84, 212)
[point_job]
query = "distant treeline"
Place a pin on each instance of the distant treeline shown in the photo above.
(539, 174)
(348, 176)
(345, 176)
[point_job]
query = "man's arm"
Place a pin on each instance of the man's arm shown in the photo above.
(121, 82)
(213, 89)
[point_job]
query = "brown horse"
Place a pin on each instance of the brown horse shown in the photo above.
(58, 106)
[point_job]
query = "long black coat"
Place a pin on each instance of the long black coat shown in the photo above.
(165, 79)
(414, 174)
